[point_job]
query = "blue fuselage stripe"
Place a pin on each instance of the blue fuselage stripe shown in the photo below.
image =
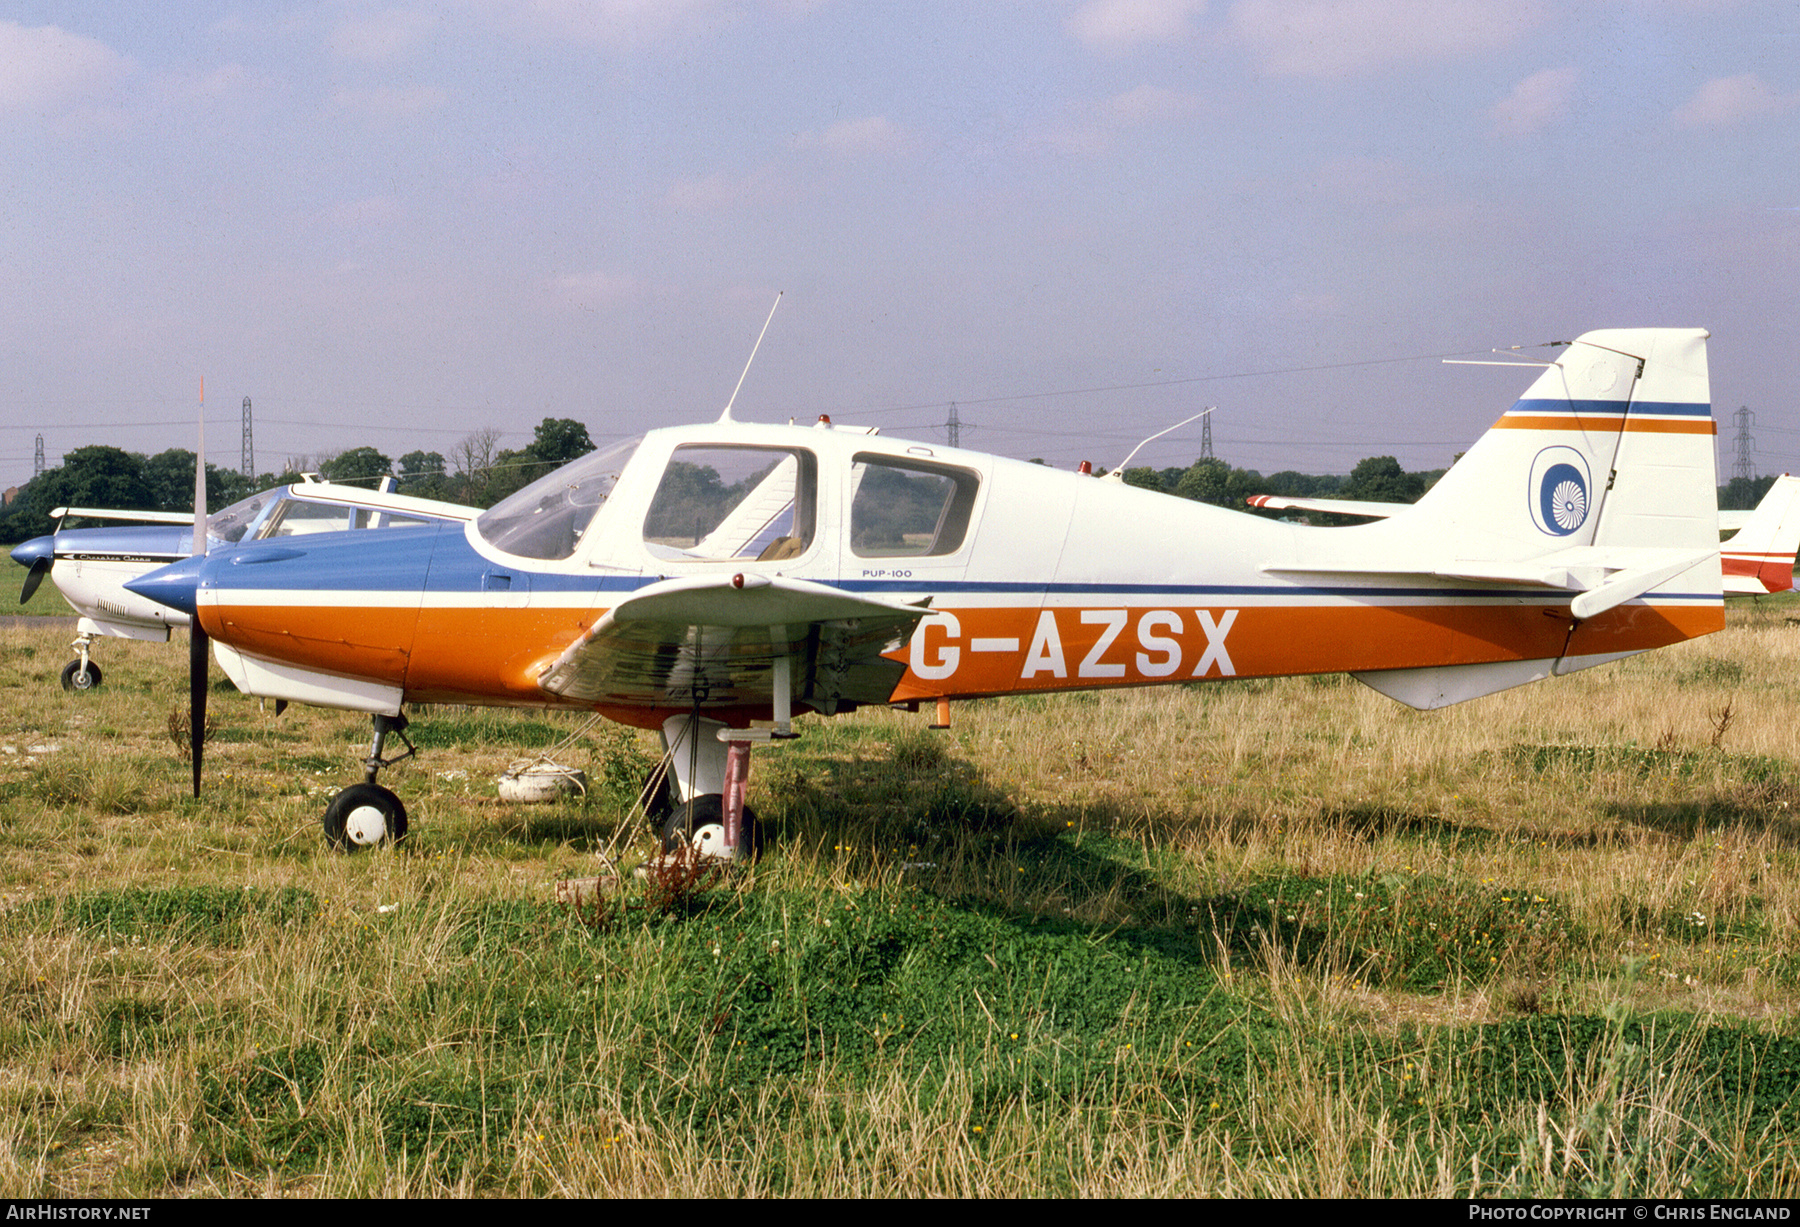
(1614, 408)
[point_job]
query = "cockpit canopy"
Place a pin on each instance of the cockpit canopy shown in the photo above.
(764, 495)
(546, 519)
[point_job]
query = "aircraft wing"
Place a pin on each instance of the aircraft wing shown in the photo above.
(142, 517)
(717, 640)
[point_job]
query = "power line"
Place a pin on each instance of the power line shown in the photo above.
(1156, 383)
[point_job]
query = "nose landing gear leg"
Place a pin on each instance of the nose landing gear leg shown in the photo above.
(366, 814)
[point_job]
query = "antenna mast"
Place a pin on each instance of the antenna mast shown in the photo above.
(726, 416)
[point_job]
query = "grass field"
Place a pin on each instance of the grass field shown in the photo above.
(1283, 938)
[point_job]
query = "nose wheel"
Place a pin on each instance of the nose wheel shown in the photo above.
(364, 815)
(367, 814)
(80, 675)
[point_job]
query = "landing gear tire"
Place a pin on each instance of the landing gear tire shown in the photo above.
(74, 677)
(702, 825)
(364, 815)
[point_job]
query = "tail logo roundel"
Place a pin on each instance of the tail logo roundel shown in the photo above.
(1560, 486)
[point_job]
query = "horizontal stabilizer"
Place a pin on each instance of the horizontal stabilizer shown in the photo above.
(1604, 577)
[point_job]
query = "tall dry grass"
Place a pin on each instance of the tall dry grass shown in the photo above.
(201, 999)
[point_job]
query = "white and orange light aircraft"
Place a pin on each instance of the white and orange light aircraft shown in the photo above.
(703, 578)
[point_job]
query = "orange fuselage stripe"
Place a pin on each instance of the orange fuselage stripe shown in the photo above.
(1664, 426)
(496, 655)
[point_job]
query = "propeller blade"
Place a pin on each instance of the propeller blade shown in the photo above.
(197, 638)
(196, 632)
(39, 568)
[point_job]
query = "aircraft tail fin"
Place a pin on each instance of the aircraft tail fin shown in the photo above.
(1610, 447)
(1599, 484)
(1760, 558)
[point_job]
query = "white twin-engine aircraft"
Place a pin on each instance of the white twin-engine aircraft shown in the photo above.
(707, 579)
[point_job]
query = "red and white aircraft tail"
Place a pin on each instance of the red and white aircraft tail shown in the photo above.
(1759, 559)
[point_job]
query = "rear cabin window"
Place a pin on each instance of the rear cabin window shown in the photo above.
(720, 503)
(905, 509)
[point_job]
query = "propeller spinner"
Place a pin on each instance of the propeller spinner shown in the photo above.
(36, 555)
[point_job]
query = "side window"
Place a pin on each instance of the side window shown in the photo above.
(734, 503)
(295, 518)
(906, 509)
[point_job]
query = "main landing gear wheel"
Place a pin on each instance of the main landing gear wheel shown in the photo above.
(75, 677)
(363, 815)
(702, 825)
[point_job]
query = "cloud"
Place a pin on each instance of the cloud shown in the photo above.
(1340, 38)
(380, 37)
(722, 192)
(1117, 26)
(1093, 132)
(47, 69)
(369, 213)
(1149, 104)
(1535, 103)
(847, 137)
(594, 289)
(389, 102)
(1732, 100)
(605, 22)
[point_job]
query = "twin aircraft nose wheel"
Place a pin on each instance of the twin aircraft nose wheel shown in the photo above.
(364, 815)
(77, 676)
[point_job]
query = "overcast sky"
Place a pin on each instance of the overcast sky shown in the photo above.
(394, 224)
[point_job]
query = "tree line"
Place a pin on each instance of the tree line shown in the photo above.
(477, 473)
(1376, 479)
